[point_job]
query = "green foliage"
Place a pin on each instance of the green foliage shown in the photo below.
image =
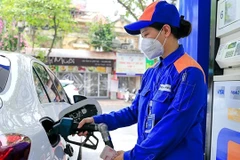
(9, 41)
(41, 39)
(135, 8)
(41, 56)
(101, 35)
(38, 14)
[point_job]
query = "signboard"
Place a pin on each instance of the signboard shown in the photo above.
(226, 121)
(81, 62)
(130, 64)
(228, 17)
(227, 12)
(80, 69)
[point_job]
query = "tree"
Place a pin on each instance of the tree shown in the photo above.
(41, 56)
(55, 14)
(9, 41)
(101, 35)
(135, 7)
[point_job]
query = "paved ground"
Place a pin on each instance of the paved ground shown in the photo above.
(109, 103)
(123, 139)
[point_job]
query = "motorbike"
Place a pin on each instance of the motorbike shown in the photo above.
(130, 96)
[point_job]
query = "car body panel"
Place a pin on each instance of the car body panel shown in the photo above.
(21, 109)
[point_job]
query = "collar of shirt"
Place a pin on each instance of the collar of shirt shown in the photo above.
(171, 58)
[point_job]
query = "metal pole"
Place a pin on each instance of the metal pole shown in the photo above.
(18, 43)
(214, 43)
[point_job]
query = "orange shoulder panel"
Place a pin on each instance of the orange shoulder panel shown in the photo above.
(186, 61)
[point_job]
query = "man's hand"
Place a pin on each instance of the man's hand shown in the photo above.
(84, 121)
(119, 155)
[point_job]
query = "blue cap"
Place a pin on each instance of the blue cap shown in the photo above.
(160, 12)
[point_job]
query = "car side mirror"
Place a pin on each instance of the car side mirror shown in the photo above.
(78, 98)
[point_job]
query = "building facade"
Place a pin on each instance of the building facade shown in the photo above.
(130, 62)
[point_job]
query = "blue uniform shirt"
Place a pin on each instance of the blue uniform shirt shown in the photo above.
(177, 89)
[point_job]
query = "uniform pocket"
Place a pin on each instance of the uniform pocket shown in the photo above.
(161, 101)
(143, 98)
(161, 96)
(144, 92)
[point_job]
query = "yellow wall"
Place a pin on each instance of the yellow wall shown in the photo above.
(77, 40)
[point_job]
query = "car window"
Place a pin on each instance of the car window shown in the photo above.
(42, 96)
(59, 87)
(47, 82)
(4, 72)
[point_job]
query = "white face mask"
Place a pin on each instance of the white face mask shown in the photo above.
(152, 48)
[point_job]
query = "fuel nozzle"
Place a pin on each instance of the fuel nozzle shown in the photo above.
(66, 127)
(103, 129)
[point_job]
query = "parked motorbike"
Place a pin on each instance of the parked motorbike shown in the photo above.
(130, 96)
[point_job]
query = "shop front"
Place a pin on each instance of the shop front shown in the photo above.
(91, 81)
(90, 71)
(129, 70)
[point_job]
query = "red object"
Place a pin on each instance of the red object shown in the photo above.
(4, 153)
(14, 147)
(13, 138)
(114, 76)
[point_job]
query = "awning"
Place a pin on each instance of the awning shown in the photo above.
(77, 57)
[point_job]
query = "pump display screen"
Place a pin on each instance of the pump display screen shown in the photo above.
(228, 17)
(232, 45)
(230, 11)
(230, 50)
(229, 54)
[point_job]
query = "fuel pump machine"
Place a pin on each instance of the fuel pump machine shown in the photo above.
(225, 134)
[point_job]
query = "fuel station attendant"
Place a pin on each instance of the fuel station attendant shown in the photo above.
(169, 107)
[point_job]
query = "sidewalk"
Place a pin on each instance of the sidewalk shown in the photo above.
(113, 103)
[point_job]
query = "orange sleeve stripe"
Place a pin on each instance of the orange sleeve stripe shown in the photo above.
(148, 12)
(186, 61)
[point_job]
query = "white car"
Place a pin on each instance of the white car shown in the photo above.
(32, 101)
(70, 89)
